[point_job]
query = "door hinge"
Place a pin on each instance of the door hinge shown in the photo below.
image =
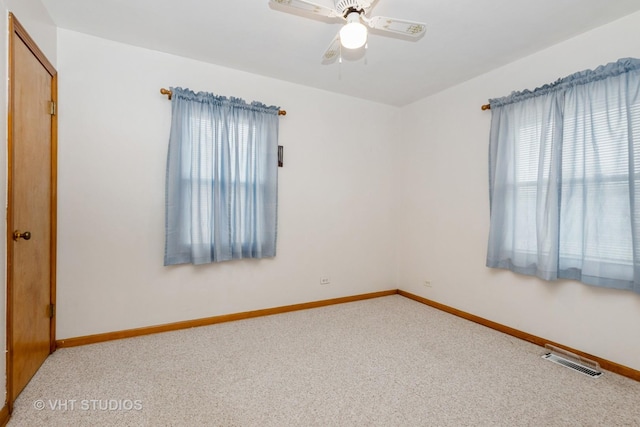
(52, 108)
(52, 310)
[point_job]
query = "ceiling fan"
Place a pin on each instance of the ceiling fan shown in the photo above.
(353, 35)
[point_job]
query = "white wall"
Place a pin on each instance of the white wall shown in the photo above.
(335, 215)
(356, 173)
(443, 209)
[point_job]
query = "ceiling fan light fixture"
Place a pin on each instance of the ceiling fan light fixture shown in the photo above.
(354, 34)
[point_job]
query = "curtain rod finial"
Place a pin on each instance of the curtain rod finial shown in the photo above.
(486, 107)
(166, 92)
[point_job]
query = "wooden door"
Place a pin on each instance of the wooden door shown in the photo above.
(31, 210)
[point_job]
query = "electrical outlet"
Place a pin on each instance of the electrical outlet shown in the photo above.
(324, 281)
(427, 284)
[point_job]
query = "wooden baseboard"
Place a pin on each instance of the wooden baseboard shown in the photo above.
(130, 333)
(5, 415)
(604, 364)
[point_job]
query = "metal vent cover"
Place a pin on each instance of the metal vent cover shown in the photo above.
(575, 366)
(572, 361)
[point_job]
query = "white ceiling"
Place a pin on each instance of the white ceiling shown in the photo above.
(464, 38)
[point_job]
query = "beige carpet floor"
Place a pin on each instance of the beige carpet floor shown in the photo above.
(384, 362)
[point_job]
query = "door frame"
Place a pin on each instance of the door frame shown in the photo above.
(17, 30)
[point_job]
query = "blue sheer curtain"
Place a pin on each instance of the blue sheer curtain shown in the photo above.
(564, 178)
(221, 185)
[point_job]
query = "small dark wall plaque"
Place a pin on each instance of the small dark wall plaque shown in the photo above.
(280, 156)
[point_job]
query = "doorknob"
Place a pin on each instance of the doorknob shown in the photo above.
(18, 235)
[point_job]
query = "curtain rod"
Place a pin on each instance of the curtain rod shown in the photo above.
(169, 94)
(484, 107)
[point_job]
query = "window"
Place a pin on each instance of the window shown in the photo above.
(565, 179)
(221, 180)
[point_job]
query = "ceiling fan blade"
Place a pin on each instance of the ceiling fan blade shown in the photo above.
(398, 26)
(370, 4)
(333, 51)
(308, 6)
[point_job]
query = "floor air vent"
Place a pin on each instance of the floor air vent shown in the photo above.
(572, 361)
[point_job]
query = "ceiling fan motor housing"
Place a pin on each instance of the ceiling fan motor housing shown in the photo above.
(345, 7)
